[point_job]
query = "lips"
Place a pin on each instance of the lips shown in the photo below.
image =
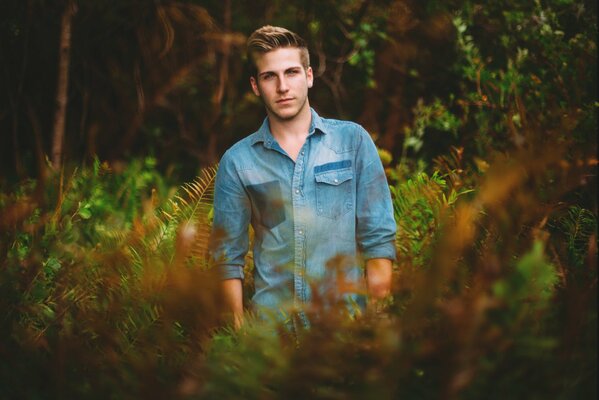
(283, 101)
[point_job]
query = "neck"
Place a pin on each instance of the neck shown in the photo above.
(296, 127)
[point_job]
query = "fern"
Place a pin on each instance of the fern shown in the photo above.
(186, 218)
(579, 225)
(420, 204)
(197, 210)
(416, 210)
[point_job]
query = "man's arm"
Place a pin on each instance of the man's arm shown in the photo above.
(375, 223)
(230, 235)
(233, 293)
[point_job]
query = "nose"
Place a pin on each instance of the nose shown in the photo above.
(282, 87)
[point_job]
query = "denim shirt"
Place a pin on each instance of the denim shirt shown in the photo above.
(313, 219)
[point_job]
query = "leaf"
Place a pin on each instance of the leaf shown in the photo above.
(533, 279)
(52, 264)
(85, 212)
(47, 312)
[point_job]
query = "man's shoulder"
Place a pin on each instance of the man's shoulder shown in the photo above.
(344, 126)
(343, 135)
(345, 130)
(241, 147)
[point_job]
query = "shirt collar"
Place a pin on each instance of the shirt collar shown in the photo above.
(264, 135)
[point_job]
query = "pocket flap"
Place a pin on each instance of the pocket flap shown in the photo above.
(334, 177)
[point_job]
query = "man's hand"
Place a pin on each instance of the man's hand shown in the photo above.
(233, 293)
(378, 279)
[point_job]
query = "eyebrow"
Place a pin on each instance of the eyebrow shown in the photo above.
(273, 72)
(266, 73)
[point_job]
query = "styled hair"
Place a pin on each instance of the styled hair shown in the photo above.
(269, 38)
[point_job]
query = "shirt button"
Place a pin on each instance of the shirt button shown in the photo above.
(302, 153)
(297, 191)
(336, 180)
(301, 232)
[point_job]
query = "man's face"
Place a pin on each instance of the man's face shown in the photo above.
(282, 82)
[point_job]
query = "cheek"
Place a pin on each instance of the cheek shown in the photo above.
(264, 88)
(267, 91)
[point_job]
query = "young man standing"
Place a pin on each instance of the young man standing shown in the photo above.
(313, 190)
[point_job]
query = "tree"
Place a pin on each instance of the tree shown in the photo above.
(64, 58)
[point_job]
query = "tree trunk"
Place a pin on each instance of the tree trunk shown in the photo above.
(219, 94)
(62, 83)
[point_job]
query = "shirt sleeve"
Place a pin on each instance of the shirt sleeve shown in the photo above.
(230, 224)
(375, 222)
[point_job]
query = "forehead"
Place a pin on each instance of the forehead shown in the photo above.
(278, 60)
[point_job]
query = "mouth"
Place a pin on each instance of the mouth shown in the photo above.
(283, 101)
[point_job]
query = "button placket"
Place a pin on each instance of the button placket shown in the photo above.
(299, 231)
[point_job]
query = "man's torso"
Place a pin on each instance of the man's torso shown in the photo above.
(303, 213)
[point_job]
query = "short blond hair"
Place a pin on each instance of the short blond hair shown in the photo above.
(269, 38)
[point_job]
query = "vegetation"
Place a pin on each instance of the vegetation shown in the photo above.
(486, 117)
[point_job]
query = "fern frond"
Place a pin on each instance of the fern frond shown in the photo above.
(199, 196)
(579, 225)
(191, 207)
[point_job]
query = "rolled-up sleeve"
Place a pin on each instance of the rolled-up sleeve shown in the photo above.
(375, 223)
(231, 221)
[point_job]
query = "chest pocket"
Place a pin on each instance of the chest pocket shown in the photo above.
(333, 189)
(268, 203)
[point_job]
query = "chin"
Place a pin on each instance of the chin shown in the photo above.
(286, 114)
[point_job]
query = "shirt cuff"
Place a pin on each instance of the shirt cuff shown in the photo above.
(230, 272)
(385, 250)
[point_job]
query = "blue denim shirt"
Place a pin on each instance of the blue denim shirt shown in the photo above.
(313, 219)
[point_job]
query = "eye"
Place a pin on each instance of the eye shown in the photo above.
(293, 71)
(267, 76)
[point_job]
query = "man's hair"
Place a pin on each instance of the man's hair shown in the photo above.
(269, 38)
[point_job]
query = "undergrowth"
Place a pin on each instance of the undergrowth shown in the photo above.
(107, 291)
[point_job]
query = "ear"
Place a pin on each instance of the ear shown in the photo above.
(310, 76)
(254, 85)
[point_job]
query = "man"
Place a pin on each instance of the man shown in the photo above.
(313, 190)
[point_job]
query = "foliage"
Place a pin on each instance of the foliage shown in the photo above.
(190, 213)
(420, 205)
(476, 319)
(486, 115)
(100, 295)
(526, 82)
(435, 116)
(579, 227)
(483, 279)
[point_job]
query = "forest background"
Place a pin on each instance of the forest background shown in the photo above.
(113, 116)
